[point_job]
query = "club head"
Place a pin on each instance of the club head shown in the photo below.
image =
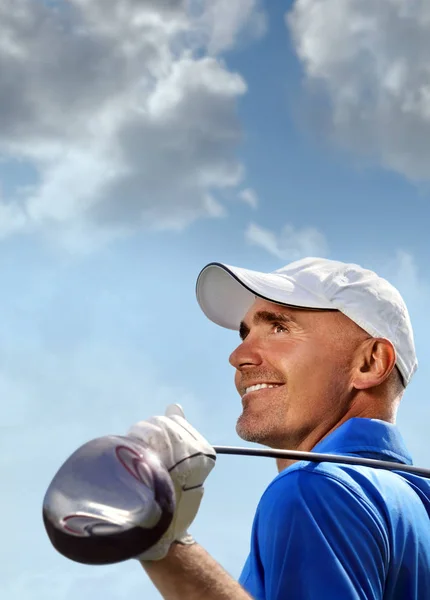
(110, 501)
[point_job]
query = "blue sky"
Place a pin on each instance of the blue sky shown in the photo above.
(140, 143)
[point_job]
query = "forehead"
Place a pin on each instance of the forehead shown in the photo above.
(330, 323)
(260, 304)
(303, 317)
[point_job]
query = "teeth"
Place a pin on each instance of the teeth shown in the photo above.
(259, 386)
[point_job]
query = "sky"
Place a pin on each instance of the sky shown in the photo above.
(141, 140)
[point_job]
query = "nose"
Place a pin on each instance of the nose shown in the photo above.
(246, 354)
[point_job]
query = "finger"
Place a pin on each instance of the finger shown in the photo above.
(183, 426)
(148, 431)
(175, 410)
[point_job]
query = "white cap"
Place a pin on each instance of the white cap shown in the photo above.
(225, 294)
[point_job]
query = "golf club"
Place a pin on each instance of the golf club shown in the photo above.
(113, 499)
(110, 501)
(318, 457)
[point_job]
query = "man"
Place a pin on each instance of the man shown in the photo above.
(327, 350)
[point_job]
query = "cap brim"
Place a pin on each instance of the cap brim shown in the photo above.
(226, 293)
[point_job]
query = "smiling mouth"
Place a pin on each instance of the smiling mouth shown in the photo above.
(260, 386)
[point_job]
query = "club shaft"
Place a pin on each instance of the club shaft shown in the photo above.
(318, 457)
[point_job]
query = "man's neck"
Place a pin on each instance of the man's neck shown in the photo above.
(317, 435)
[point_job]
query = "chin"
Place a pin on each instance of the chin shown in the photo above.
(268, 432)
(253, 430)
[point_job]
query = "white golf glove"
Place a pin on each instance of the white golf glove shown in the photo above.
(189, 459)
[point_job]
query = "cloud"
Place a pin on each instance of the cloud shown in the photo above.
(124, 108)
(290, 244)
(249, 196)
(223, 20)
(366, 77)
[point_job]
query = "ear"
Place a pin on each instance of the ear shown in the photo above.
(375, 360)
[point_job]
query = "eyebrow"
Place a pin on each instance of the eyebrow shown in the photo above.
(266, 316)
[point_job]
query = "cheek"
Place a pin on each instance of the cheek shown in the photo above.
(236, 378)
(318, 376)
(304, 367)
(282, 355)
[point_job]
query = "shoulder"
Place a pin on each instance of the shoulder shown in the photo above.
(320, 492)
(318, 518)
(308, 478)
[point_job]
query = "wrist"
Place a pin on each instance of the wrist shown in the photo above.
(163, 549)
(185, 539)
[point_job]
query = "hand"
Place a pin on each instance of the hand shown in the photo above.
(189, 459)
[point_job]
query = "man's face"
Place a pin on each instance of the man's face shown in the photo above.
(306, 356)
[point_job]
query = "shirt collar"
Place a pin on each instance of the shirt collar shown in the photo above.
(370, 437)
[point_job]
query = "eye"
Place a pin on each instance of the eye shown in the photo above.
(280, 328)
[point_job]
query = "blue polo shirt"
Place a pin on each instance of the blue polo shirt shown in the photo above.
(327, 531)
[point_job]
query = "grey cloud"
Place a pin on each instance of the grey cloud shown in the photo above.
(126, 120)
(52, 76)
(189, 145)
(368, 62)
